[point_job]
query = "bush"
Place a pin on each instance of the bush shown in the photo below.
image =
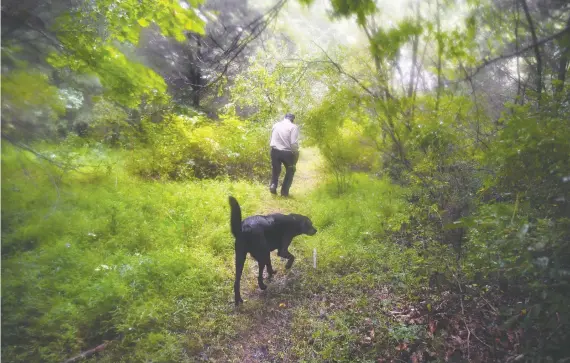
(183, 147)
(521, 240)
(341, 140)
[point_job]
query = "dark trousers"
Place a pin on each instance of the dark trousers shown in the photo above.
(287, 158)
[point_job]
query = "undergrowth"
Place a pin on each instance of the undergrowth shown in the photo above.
(93, 255)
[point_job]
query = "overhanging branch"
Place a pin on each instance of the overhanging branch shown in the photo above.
(342, 71)
(257, 27)
(521, 50)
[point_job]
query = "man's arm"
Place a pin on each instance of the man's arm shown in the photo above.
(295, 139)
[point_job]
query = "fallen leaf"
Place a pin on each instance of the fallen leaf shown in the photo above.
(282, 305)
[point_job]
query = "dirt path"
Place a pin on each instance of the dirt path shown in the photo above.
(306, 179)
(308, 172)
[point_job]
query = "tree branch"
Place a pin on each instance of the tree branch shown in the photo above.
(522, 50)
(258, 26)
(88, 353)
(342, 71)
(39, 155)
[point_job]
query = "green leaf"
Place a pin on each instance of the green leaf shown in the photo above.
(143, 22)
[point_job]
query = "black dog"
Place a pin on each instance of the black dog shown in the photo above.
(259, 235)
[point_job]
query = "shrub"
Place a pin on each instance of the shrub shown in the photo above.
(184, 147)
(332, 127)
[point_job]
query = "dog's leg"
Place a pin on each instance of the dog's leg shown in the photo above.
(288, 255)
(262, 286)
(284, 252)
(260, 252)
(270, 269)
(240, 260)
(289, 263)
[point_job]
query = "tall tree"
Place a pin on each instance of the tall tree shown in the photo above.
(198, 67)
(69, 39)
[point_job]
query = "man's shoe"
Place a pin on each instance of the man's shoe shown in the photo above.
(273, 189)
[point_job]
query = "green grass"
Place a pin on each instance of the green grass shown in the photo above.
(100, 255)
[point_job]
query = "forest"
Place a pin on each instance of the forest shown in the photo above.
(434, 162)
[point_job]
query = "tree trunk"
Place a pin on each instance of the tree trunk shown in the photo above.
(564, 59)
(536, 50)
(195, 72)
(439, 57)
(415, 45)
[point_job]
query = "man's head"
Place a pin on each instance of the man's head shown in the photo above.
(290, 117)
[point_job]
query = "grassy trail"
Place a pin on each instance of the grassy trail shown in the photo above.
(266, 318)
(150, 265)
(342, 310)
(305, 181)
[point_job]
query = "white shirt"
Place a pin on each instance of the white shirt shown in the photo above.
(285, 136)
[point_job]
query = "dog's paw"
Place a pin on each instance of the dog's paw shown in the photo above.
(271, 273)
(289, 264)
(262, 286)
(239, 301)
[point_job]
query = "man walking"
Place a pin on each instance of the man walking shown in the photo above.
(284, 150)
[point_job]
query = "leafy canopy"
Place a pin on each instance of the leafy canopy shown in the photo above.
(95, 37)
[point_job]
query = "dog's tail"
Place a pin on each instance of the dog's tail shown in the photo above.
(235, 220)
